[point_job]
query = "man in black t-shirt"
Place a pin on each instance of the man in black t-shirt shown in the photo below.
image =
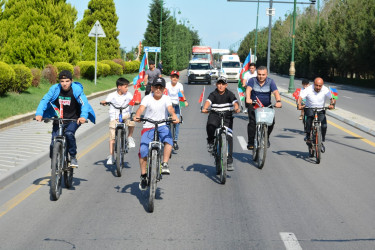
(221, 99)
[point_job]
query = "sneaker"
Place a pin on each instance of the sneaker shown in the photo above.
(175, 145)
(73, 162)
(323, 149)
(131, 142)
(143, 183)
(307, 138)
(230, 167)
(300, 117)
(250, 146)
(110, 160)
(165, 168)
(210, 147)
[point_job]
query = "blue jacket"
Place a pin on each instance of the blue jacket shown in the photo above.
(46, 110)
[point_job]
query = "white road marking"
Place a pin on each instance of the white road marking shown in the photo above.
(242, 142)
(290, 241)
(347, 97)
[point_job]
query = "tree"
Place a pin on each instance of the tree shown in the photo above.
(109, 46)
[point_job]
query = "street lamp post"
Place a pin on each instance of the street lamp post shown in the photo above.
(256, 35)
(292, 70)
(269, 39)
(161, 24)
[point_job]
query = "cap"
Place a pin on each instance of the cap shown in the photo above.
(65, 74)
(222, 79)
(151, 62)
(175, 72)
(159, 81)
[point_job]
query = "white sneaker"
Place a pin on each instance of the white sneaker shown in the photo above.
(110, 160)
(131, 142)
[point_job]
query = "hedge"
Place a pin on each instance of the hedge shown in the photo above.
(7, 76)
(131, 67)
(105, 69)
(116, 69)
(63, 66)
(23, 78)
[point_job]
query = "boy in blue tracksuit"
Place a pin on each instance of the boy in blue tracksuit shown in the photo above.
(72, 103)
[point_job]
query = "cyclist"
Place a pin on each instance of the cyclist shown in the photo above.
(305, 84)
(120, 98)
(72, 103)
(174, 87)
(260, 87)
(249, 74)
(316, 96)
(156, 104)
(221, 99)
(151, 74)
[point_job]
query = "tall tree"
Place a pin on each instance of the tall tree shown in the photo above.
(36, 33)
(108, 47)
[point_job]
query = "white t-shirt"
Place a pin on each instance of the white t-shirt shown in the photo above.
(118, 101)
(173, 91)
(155, 109)
(315, 99)
(248, 75)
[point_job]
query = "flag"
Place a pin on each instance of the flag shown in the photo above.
(138, 81)
(334, 93)
(57, 111)
(136, 98)
(241, 94)
(165, 92)
(258, 104)
(202, 95)
(245, 67)
(297, 93)
(181, 99)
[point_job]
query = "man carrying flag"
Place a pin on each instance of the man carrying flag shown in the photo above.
(151, 74)
(249, 74)
(138, 81)
(259, 90)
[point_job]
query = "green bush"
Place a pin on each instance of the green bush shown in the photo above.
(23, 78)
(100, 69)
(105, 69)
(50, 73)
(7, 76)
(132, 67)
(87, 69)
(116, 69)
(63, 66)
(37, 75)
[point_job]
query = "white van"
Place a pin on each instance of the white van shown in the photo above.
(199, 71)
(230, 67)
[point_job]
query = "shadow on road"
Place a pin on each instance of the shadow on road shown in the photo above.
(245, 158)
(110, 168)
(209, 171)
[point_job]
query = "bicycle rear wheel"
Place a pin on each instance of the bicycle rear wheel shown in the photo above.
(223, 158)
(119, 152)
(318, 144)
(256, 144)
(56, 165)
(262, 146)
(68, 177)
(153, 168)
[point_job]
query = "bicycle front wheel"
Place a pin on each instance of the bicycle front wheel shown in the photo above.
(223, 158)
(56, 165)
(154, 168)
(318, 144)
(262, 146)
(119, 152)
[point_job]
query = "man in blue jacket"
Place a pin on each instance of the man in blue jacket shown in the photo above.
(70, 102)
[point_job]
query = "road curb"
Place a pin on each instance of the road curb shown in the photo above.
(340, 118)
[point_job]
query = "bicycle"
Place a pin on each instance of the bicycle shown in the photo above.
(155, 152)
(221, 147)
(60, 161)
(121, 139)
(172, 128)
(315, 141)
(264, 117)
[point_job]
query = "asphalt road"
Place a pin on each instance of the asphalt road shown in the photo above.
(292, 203)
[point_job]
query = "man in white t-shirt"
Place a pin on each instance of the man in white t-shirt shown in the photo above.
(315, 96)
(249, 74)
(174, 87)
(120, 98)
(156, 104)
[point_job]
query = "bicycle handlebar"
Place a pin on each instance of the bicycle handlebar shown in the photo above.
(58, 119)
(142, 119)
(116, 107)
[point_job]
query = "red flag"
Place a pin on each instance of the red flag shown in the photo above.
(136, 98)
(297, 93)
(165, 92)
(258, 104)
(202, 95)
(139, 79)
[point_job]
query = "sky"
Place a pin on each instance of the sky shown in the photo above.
(220, 24)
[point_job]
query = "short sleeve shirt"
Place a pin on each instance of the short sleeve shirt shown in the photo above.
(68, 105)
(152, 74)
(315, 99)
(119, 101)
(262, 92)
(248, 75)
(222, 102)
(155, 109)
(173, 91)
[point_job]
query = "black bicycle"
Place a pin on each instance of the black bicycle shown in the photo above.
(155, 152)
(314, 143)
(121, 139)
(264, 117)
(172, 128)
(60, 161)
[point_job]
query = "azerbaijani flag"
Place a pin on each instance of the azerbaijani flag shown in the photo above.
(297, 93)
(138, 81)
(241, 94)
(57, 111)
(181, 99)
(202, 95)
(245, 67)
(136, 98)
(334, 93)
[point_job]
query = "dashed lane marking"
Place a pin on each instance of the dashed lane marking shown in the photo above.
(242, 142)
(290, 241)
